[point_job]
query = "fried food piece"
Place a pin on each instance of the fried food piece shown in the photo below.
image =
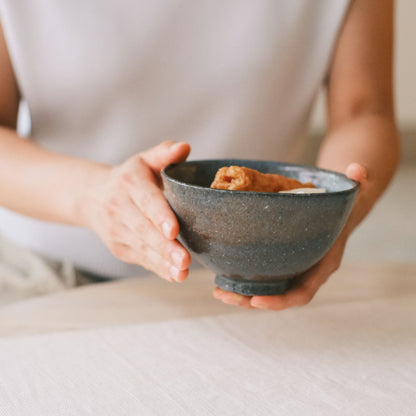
(240, 178)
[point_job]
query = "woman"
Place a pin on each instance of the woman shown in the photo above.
(106, 84)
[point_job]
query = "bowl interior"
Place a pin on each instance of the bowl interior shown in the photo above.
(201, 173)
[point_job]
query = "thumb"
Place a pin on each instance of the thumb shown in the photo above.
(359, 173)
(164, 154)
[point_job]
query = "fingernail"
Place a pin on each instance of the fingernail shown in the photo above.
(216, 293)
(166, 229)
(177, 258)
(176, 146)
(173, 271)
(258, 305)
(236, 298)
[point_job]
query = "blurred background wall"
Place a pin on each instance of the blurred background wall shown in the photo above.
(405, 83)
(406, 64)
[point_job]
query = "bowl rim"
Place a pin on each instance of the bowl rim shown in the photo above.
(355, 185)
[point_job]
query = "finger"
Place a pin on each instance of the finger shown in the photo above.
(148, 197)
(164, 154)
(143, 232)
(359, 173)
(305, 286)
(139, 182)
(302, 291)
(150, 260)
(296, 297)
(232, 298)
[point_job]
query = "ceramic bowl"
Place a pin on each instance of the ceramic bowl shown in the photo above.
(257, 242)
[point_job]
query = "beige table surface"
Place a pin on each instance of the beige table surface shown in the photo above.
(144, 346)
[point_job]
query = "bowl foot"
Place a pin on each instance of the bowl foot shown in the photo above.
(253, 287)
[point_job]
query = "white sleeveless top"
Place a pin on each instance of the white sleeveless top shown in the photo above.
(106, 79)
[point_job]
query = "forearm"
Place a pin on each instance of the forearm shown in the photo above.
(370, 140)
(39, 183)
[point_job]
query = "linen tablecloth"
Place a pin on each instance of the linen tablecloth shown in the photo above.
(147, 347)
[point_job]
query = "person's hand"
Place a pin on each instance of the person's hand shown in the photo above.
(306, 285)
(126, 207)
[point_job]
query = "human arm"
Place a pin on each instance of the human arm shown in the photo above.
(362, 139)
(123, 204)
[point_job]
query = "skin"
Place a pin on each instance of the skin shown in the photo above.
(124, 204)
(362, 139)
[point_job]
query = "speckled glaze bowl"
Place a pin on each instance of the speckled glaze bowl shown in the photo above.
(257, 242)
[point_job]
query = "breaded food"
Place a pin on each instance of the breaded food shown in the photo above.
(240, 178)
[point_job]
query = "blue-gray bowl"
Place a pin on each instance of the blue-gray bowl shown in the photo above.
(257, 242)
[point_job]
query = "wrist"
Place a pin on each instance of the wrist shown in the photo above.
(90, 177)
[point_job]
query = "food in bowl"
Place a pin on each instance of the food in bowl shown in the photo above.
(241, 178)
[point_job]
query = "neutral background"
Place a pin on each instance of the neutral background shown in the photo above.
(389, 233)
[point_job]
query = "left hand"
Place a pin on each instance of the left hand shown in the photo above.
(306, 285)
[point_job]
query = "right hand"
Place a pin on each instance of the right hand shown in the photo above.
(126, 207)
